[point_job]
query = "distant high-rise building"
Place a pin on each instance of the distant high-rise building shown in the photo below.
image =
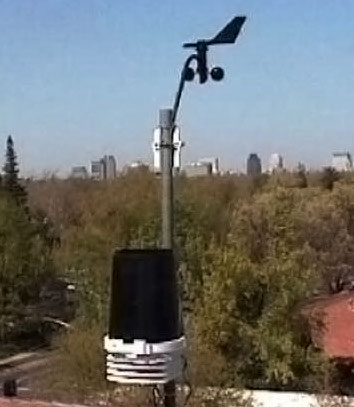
(105, 168)
(79, 172)
(254, 165)
(110, 167)
(342, 161)
(276, 163)
(213, 161)
(97, 170)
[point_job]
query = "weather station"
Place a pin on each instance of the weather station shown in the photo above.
(145, 343)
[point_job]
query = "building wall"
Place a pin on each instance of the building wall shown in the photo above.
(105, 168)
(110, 167)
(97, 170)
(276, 163)
(197, 170)
(266, 398)
(342, 161)
(79, 172)
(214, 162)
(254, 165)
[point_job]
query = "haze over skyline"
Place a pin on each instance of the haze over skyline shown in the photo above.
(80, 79)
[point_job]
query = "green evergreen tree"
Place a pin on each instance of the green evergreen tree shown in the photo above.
(11, 182)
(25, 263)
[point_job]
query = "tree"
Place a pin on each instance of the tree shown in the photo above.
(247, 260)
(251, 288)
(25, 263)
(301, 176)
(329, 177)
(11, 181)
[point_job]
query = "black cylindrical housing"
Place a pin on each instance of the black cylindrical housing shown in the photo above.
(144, 296)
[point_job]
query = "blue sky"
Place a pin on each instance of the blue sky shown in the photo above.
(81, 78)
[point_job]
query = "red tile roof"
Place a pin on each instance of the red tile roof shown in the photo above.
(331, 321)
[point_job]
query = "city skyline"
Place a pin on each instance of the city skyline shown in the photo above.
(82, 79)
(343, 163)
(339, 160)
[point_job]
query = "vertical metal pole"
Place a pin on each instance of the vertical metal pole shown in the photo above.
(166, 125)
